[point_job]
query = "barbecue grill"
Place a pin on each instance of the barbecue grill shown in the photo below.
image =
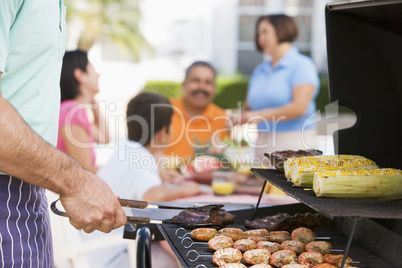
(364, 52)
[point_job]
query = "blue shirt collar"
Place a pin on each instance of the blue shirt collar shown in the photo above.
(287, 59)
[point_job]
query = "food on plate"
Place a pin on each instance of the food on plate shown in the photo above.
(283, 257)
(205, 163)
(286, 222)
(385, 184)
(279, 157)
(261, 265)
(322, 247)
(301, 170)
(336, 259)
(270, 246)
(204, 234)
(279, 236)
(311, 258)
(257, 235)
(233, 265)
(303, 234)
(256, 256)
(233, 233)
(227, 255)
(213, 214)
(244, 245)
(295, 266)
(219, 242)
(293, 245)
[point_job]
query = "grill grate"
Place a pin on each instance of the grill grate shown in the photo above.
(338, 240)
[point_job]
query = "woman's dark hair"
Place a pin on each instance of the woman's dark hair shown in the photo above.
(147, 113)
(68, 84)
(285, 28)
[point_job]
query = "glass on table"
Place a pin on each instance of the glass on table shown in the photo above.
(223, 182)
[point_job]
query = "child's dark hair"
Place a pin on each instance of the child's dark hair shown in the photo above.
(68, 83)
(147, 113)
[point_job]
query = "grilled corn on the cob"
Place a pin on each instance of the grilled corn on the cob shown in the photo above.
(303, 168)
(383, 184)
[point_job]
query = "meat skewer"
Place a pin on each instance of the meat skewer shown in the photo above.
(187, 242)
(278, 259)
(204, 234)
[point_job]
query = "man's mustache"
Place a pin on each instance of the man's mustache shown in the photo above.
(205, 93)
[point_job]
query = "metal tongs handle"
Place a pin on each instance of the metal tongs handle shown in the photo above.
(124, 203)
(133, 203)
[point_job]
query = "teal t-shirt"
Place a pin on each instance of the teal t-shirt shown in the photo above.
(32, 45)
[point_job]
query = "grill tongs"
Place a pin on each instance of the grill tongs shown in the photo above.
(145, 220)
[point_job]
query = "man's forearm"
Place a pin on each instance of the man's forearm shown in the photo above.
(24, 154)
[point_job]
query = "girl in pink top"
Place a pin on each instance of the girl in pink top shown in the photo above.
(77, 135)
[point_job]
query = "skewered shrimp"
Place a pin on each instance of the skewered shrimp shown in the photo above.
(293, 245)
(336, 259)
(311, 258)
(283, 257)
(270, 246)
(256, 256)
(257, 235)
(233, 265)
(279, 236)
(319, 246)
(324, 265)
(295, 266)
(303, 234)
(233, 233)
(219, 242)
(204, 234)
(227, 255)
(244, 245)
(261, 265)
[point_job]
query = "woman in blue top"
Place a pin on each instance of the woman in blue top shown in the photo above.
(282, 90)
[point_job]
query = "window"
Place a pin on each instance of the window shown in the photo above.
(247, 27)
(252, 2)
(248, 60)
(304, 26)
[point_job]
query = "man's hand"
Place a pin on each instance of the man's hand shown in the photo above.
(94, 206)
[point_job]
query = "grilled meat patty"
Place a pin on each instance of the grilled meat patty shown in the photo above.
(279, 157)
(286, 222)
(214, 214)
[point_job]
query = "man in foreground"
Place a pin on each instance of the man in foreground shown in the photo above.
(32, 40)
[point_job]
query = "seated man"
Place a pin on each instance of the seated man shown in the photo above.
(196, 121)
(132, 171)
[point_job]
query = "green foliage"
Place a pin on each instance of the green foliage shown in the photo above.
(169, 89)
(109, 20)
(229, 91)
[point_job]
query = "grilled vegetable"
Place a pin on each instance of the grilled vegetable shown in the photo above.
(385, 184)
(303, 168)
